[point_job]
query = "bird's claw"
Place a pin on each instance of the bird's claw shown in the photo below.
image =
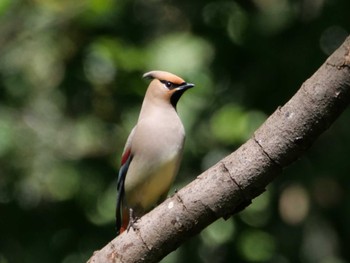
(132, 221)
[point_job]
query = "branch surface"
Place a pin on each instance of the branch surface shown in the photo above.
(231, 184)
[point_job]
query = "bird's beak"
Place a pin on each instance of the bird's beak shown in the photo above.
(185, 86)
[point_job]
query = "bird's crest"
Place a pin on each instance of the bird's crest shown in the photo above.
(163, 75)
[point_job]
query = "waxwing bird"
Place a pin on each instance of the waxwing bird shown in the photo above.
(153, 150)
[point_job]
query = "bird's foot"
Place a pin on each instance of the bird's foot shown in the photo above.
(132, 221)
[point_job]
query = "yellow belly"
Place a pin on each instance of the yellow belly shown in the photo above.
(144, 190)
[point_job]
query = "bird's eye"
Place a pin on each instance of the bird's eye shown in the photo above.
(168, 84)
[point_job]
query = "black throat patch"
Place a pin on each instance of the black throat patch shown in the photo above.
(176, 96)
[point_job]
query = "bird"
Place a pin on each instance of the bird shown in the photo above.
(153, 150)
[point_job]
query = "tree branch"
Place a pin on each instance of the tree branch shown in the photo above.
(231, 184)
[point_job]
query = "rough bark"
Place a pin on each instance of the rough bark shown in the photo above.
(231, 184)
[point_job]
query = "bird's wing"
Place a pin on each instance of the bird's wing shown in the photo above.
(125, 162)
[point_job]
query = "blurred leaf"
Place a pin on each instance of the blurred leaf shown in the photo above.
(181, 53)
(229, 124)
(218, 233)
(6, 132)
(105, 210)
(258, 213)
(256, 246)
(5, 5)
(62, 182)
(275, 15)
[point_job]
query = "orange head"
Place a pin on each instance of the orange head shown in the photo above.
(166, 86)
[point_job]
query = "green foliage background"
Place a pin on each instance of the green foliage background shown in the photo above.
(71, 90)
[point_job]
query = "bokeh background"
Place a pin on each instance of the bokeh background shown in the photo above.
(71, 90)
